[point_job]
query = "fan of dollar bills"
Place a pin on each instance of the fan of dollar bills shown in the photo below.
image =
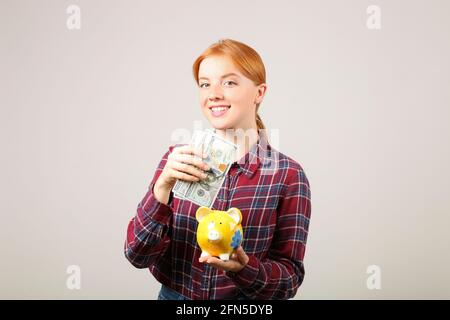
(220, 155)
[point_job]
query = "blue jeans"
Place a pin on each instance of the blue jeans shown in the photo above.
(168, 294)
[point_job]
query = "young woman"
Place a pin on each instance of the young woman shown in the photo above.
(269, 188)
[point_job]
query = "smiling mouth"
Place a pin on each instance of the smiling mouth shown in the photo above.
(219, 110)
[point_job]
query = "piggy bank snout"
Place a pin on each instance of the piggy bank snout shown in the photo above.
(213, 235)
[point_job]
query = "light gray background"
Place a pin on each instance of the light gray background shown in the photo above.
(87, 114)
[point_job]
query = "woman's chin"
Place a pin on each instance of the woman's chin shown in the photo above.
(219, 125)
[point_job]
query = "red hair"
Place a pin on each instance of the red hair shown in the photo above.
(245, 58)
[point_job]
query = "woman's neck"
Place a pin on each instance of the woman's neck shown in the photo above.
(244, 139)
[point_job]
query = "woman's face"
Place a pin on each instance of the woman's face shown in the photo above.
(228, 99)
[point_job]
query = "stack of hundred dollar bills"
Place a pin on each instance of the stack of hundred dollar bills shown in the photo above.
(220, 156)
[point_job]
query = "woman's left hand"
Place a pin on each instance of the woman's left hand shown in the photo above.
(237, 262)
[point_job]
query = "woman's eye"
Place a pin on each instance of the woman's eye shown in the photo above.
(204, 85)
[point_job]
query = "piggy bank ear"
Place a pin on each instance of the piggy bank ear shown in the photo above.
(236, 214)
(201, 213)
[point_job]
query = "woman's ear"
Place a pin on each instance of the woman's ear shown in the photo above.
(201, 213)
(262, 88)
(236, 214)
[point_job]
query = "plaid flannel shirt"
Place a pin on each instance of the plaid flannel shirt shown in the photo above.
(273, 194)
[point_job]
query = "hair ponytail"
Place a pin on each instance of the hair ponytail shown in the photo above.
(259, 122)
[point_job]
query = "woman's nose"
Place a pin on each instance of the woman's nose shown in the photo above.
(215, 93)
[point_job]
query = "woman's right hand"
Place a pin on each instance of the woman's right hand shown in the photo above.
(181, 164)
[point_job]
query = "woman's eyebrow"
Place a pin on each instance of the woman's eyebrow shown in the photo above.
(224, 76)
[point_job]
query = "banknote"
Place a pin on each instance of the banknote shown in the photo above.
(220, 156)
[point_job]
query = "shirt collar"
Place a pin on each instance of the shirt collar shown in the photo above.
(258, 153)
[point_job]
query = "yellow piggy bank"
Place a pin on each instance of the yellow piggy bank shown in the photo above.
(219, 232)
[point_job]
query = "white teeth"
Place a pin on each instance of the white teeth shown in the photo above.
(217, 109)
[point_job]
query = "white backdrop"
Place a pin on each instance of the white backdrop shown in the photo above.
(87, 113)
